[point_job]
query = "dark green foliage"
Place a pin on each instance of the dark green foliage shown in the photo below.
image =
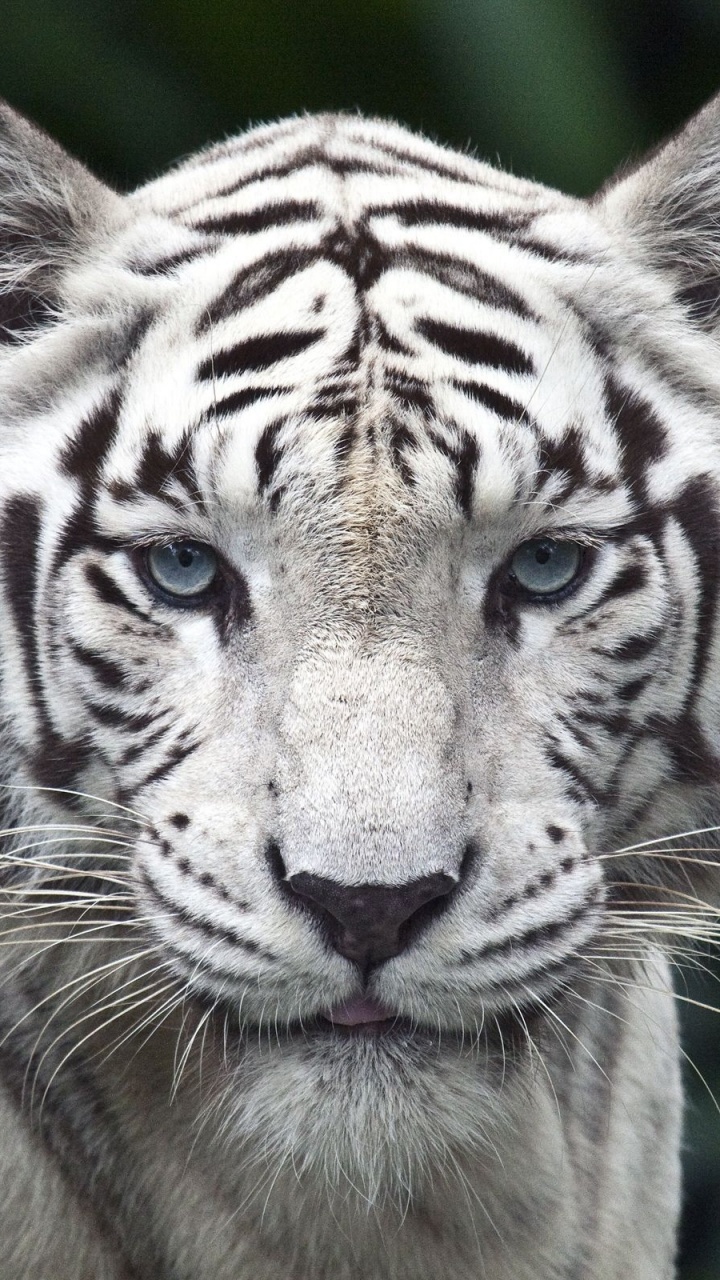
(562, 90)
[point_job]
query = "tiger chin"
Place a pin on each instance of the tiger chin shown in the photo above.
(359, 532)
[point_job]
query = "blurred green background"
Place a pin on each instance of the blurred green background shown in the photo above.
(559, 90)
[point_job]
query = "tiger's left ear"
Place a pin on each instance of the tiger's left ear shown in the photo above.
(667, 210)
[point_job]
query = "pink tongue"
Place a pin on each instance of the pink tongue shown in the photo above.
(357, 1011)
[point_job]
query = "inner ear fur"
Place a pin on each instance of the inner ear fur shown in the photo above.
(51, 207)
(667, 210)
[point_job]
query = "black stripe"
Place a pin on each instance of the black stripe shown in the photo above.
(256, 282)
(634, 647)
(632, 578)
(312, 156)
(225, 406)
(465, 278)
(254, 354)
(475, 347)
(117, 717)
(694, 758)
(158, 466)
(22, 309)
(642, 436)
(170, 262)
(463, 454)
(133, 753)
(402, 442)
(540, 935)
(20, 536)
(387, 341)
(181, 912)
(345, 441)
(106, 672)
(57, 761)
(500, 608)
(315, 156)
(328, 408)
(175, 757)
(696, 510)
(617, 722)
(504, 406)
(83, 459)
(459, 274)
(581, 785)
(276, 214)
(81, 532)
(443, 163)
(409, 392)
(268, 454)
(84, 454)
(108, 590)
(550, 252)
(632, 690)
(423, 213)
(576, 732)
(701, 300)
(565, 457)
(514, 226)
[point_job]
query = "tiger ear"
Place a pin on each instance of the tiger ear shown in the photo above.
(667, 210)
(50, 208)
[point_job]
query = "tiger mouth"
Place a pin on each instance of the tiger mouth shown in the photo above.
(361, 1012)
(321, 1028)
(396, 1027)
(506, 1035)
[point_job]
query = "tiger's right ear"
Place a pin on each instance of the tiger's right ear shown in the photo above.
(50, 209)
(666, 210)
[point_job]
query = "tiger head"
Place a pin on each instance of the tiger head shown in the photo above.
(359, 513)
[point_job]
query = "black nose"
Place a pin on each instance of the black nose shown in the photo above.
(369, 923)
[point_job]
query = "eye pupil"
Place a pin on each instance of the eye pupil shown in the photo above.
(543, 553)
(185, 557)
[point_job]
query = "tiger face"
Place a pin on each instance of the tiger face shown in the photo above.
(359, 527)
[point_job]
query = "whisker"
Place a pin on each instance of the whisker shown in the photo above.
(153, 1020)
(137, 1000)
(534, 1050)
(57, 872)
(660, 840)
(85, 828)
(80, 795)
(76, 990)
(668, 855)
(635, 986)
(82, 981)
(628, 986)
(182, 1063)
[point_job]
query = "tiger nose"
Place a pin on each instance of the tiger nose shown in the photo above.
(369, 923)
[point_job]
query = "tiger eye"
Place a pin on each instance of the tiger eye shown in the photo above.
(545, 566)
(185, 569)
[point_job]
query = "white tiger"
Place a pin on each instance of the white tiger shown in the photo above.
(358, 656)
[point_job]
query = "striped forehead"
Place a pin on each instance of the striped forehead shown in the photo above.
(323, 302)
(323, 284)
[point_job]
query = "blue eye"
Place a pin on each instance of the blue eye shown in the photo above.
(544, 566)
(184, 569)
